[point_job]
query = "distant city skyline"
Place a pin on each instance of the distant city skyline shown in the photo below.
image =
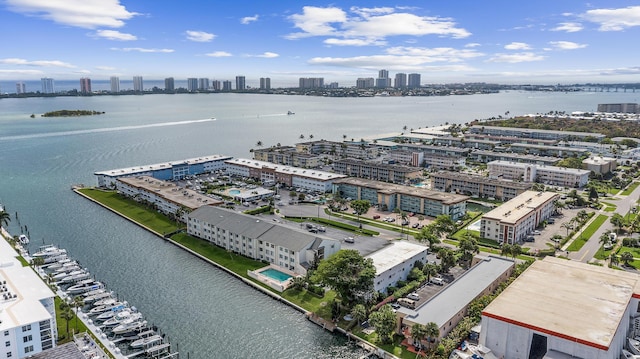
(544, 42)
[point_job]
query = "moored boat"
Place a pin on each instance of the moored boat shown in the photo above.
(129, 326)
(121, 316)
(147, 341)
(107, 308)
(633, 345)
(97, 296)
(84, 286)
(23, 239)
(49, 251)
(158, 349)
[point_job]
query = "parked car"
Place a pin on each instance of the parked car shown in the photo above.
(349, 240)
(436, 280)
(376, 216)
(413, 296)
(415, 225)
(530, 239)
(551, 221)
(536, 232)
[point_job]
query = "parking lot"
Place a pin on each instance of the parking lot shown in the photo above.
(543, 240)
(428, 290)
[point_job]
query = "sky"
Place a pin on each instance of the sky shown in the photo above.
(494, 41)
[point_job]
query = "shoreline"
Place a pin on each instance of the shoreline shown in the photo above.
(309, 315)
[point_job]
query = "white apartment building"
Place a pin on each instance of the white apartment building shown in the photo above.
(511, 222)
(308, 179)
(528, 172)
(288, 248)
(27, 309)
(394, 262)
(168, 197)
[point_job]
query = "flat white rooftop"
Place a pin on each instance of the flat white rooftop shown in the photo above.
(29, 289)
(296, 171)
(568, 299)
(171, 192)
(518, 207)
(162, 166)
(394, 254)
(554, 169)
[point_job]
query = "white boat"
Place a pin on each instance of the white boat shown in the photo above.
(84, 286)
(59, 264)
(110, 313)
(107, 308)
(628, 355)
(129, 326)
(147, 341)
(633, 345)
(23, 239)
(49, 251)
(75, 277)
(290, 113)
(158, 349)
(121, 317)
(61, 275)
(105, 302)
(94, 292)
(97, 296)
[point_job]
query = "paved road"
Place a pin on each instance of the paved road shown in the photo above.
(624, 205)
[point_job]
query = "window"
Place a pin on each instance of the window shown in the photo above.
(28, 338)
(9, 354)
(7, 344)
(26, 328)
(28, 349)
(6, 333)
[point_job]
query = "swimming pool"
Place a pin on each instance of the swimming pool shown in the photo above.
(275, 274)
(234, 192)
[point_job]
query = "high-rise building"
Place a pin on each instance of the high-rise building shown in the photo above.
(240, 83)
(48, 85)
(203, 84)
(21, 88)
(414, 81)
(383, 80)
(365, 82)
(85, 85)
(215, 85)
(333, 85)
(137, 84)
(115, 84)
(226, 85)
(265, 83)
(192, 84)
(311, 82)
(400, 81)
(169, 84)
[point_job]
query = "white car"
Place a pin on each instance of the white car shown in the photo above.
(537, 232)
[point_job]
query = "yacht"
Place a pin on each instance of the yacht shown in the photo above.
(75, 277)
(114, 307)
(472, 351)
(23, 239)
(59, 264)
(121, 317)
(105, 302)
(49, 251)
(146, 341)
(633, 345)
(59, 276)
(128, 326)
(628, 355)
(97, 296)
(84, 286)
(290, 113)
(158, 349)
(111, 313)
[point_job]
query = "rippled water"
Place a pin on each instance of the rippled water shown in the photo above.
(205, 311)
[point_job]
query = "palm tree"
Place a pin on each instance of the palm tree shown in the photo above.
(433, 331)
(418, 332)
(66, 313)
(78, 302)
(626, 257)
(613, 259)
(301, 136)
(568, 226)
(5, 218)
(298, 283)
(359, 313)
(311, 137)
(259, 144)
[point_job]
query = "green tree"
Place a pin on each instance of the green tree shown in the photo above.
(430, 270)
(468, 247)
(66, 313)
(433, 331)
(428, 234)
(359, 313)
(384, 320)
(5, 218)
(626, 257)
(613, 259)
(568, 226)
(418, 333)
(298, 283)
(618, 221)
(447, 259)
(360, 206)
(346, 272)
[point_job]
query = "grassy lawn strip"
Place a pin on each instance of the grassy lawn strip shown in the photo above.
(310, 301)
(577, 243)
(132, 209)
(630, 189)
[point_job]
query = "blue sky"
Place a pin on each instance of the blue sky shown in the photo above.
(498, 41)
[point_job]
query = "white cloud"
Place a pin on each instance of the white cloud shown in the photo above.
(268, 55)
(105, 68)
(141, 49)
(566, 45)
(38, 63)
(517, 46)
(115, 35)
(516, 58)
(249, 19)
(354, 42)
(370, 25)
(218, 54)
(472, 45)
(88, 14)
(199, 36)
(402, 58)
(614, 19)
(568, 27)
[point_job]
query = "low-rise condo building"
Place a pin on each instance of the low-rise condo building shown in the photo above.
(395, 261)
(549, 175)
(249, 236)
(408, 198)
(561, 308)
(377, 171)
(450, 305)
(167, 171)
(477, 186)
(600, 165)
(489, 156)
(288, 156)
(267, 172)
(167, 197)
(534, 133)
(512, 221)
(27, 309)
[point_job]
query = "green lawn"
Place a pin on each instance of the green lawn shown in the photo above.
(577, 243)
(132, 209)
(630, 188)
(310, 301)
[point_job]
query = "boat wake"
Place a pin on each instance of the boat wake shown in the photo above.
(99, 130)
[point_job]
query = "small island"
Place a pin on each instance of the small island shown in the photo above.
(67, 113)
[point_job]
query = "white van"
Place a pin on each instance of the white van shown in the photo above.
(436, 280)
(408, 303)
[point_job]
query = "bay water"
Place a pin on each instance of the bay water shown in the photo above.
(206, 312)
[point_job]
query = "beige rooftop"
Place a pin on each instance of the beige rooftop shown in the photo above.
(568, 299)
(515, 209)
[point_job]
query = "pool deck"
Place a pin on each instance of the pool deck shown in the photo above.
(280, 286)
